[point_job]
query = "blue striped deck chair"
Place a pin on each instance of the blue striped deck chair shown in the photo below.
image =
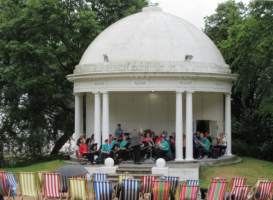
(65, 183)
(193, 182)
(173, 182)
(99, 177)
(130, 189)
(12, 179)
(103, 190)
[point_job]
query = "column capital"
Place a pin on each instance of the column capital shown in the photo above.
(78, 94)
(190, 92)
(104, 92)
(227, 93)
(179, 91)
(96, 92)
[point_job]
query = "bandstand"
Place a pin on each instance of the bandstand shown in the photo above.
(155, 70)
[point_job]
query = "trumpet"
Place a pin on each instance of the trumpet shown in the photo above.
(217, 140)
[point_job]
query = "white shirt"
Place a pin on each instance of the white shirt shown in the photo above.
(223, 140)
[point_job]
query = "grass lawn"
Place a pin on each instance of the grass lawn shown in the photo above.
(47, 166)
(250, 168)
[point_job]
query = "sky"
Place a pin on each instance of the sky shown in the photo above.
(192, 11)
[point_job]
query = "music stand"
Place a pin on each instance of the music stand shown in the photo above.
(114, 148)
(145, 143)
(128, 147)
(94, 147)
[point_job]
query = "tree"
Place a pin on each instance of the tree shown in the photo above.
(41, 41)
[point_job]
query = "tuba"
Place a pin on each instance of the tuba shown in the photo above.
(217, 140)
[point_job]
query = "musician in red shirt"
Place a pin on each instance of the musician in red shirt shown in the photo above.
(83, 149)
(159, 138)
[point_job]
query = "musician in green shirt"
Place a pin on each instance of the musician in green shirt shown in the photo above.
(163, 147)
(205, 144)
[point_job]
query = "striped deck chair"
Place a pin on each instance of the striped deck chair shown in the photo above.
(255, 188)
(188, 192)
(130, 189)
(83, 176)
(40, 178)
(217, 190)
(5, 186)
(161, 190)
(236, 182)
(121, 177)
(265, 189)
(99, 177)
(65, 183)
(77, 189)
(174, 182)
(28, 182)
(52, 185)
(147, 182)
(193, 182)
(221, 179)
(240, 192)
(13, 180)
(103, 190)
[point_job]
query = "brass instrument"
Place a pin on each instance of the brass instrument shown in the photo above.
(217, 140)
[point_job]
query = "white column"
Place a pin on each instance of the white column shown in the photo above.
(228, 123)
(97, 119)
(89, 114)
(189, 137)
(81, 115)
(105, 115)
(179, 127)
(78, 100)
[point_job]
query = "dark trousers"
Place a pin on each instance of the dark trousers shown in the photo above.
(195, 152)
(90, 156)
(203, 192)
(220, 148)
(137, 153)
(160, 153)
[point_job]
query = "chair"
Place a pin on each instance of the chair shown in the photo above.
(13, 180)
(193, 182)
(80, 159)
(236, 182)
(99, 177)
(147, 182)
(77, 189)
(255, 188)
(65, 183)
(83, 176)
(174, 182)
(5, 186)
(52, 185)
(217, 190)
(121, 177)
(188, 192)
(28, 182)
(130, 190)
(161, 190)
(40, 178)
(102, 190)
(265, 189)
(240, 192)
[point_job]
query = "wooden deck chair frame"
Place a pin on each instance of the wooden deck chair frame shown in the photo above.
(231, 184)
(179, 191)
(35, 179)
(142, 191)
(259, 189)
(209, 188)
(231, 193)
(69, 191)
(121, 191)
(60, 184)
(40, 182)
(15, 177)
(10, 186)
(94, 192)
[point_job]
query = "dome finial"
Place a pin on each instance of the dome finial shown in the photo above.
(151, 8)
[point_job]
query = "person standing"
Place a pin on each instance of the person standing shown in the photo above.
(136, 142)
(118, 131)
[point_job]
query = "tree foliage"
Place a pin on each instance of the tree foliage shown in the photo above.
(41, 41)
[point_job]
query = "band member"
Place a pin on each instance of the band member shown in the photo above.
(152, 134)
(105, 150)
(116, 151)
(159, 138)
(118, 131)
(222, 144)
(110, 139)
(195, 145)
(83, 149)
(148, 138)
(136, 142)
(198, 135)
(208, 136)
(163, 147)
(124, 155)
(205, 146)
(91, 151)
(143, 148)
(173, 139)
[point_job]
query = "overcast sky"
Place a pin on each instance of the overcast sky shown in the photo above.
(193, 11)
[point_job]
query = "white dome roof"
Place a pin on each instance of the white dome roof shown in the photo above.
(152, 36)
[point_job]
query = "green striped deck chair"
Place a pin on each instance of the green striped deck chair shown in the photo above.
(161, 190)
(257, 184)
(217, 190)
(40, 179)
(5, 186)
(77, 189)
(121, 177)
(188, 192)
(29, 184)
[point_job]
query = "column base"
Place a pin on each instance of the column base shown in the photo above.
(189, 159)
(229, 154)
(179, 159)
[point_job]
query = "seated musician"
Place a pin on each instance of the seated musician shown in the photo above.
(91, 151)
(208, 136)
(159, 138)
(195, 145)
(83, 149)
(222, 144)
(143, 148)
(116, 151)
(173, 139)
(205, 146)
(124, 155)
(198, 135)
(148, 138)
(110, 139)
(152, 135)
(163, 148)
(105, 151)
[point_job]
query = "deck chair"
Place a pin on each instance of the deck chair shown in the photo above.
(255, 188)
(217, 190)
(5, 186)
(130, 190)
(221, 179)
(193, 182)
(161, 190)
(99, 177)
(121, 177)
(83, 176)
(102, 190)
(188, 192)
(13, 180)
(147, 182)
(240, 192)
(77, 189)
(52, 185)
(265, 189)
(40, 178)
(28, 182)
(174, 182)
(65, 183)
(236, 182)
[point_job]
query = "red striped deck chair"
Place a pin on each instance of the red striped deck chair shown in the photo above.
(236, 182)
(240, 192)
(217, 190)
(255, 188)
(221, 179)
(77, 189)
(161, 190)
(147, 182)
(265, 189)
(52, 185)
(188, 192)
(29, 184)
(5, 186)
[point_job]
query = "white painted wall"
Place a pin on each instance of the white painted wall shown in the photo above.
(155, 111)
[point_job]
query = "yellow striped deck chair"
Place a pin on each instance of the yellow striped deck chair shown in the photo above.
(77, 189)
(121, 177)
(28, 183)
(40, 179)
